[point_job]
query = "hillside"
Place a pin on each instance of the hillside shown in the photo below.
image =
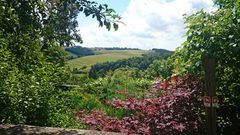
(78, 51)
(103, 55)
(140, 63)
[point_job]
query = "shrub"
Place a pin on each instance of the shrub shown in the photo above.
(177, 111)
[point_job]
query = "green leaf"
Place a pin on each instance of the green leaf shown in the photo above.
(81, 9)
(100, 23)
(115, 26)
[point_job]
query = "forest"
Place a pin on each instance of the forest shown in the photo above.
(157, 93)
(79, 51)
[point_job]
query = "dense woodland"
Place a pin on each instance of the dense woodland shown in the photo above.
(78, 51)
(159, 93)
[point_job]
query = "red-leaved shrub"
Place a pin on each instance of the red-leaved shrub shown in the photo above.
(178, 110)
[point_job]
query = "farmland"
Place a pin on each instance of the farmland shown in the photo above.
(104, 56)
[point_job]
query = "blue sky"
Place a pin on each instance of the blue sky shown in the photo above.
(149, 24)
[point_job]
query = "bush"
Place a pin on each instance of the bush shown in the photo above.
(27, 85)
(177, 111)
(123, 79)
(161, 69)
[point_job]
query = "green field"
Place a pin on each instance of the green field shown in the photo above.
(104, 56)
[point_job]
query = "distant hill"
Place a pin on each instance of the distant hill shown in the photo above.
(78, 51)
(141, 63)
(163, 52)
(103, 55)
(104, 59)
(114, 48)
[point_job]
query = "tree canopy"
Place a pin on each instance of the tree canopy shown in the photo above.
(216, 35)
(54, 20)
(31, 33)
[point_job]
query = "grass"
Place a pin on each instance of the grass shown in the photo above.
(104, 56)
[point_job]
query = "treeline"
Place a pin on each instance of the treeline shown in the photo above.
(80, 51)
(116, 48)
(140, 63)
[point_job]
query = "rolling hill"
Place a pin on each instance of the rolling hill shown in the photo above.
(103, 55)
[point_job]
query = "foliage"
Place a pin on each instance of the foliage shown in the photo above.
(160, 68)
(51, 22)
(216, 35)
(165, 53)
(123, 80)
(177, 111)
(28, 78)
(105, 16)
(31, 60)
(25, 97)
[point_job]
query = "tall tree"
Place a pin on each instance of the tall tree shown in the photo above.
(31, 33)
(216, 35)
(53, 22)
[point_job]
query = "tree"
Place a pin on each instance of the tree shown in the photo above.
(52, 22)
(160, 68)
(61, 20)
(216, 35)
(31, 33)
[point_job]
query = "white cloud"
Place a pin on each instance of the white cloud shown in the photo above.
(149, 24)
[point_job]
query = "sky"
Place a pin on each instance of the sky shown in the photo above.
(147, 24)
